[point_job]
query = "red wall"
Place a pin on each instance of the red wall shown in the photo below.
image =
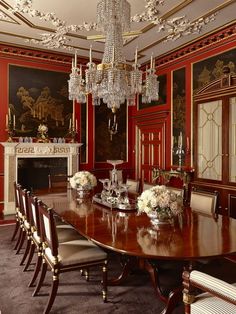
(216, 43)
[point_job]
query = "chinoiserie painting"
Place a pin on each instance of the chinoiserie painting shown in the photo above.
(39, 96)
(211, 69)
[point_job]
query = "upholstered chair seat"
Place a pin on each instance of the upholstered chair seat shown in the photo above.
(219, 298)
(77, 251)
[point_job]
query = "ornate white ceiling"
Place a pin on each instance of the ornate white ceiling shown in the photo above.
(25, 28)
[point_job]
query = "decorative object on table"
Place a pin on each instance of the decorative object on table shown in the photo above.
(160, 204)
(42, 136)
(83, 182)
(112, 127)
(114, 176)
(10, 125)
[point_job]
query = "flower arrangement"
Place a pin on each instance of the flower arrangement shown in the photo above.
(42, 133)
(42, 128)
(83, 179)
(160, 200)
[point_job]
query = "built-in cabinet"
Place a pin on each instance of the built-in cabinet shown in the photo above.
(215, 139)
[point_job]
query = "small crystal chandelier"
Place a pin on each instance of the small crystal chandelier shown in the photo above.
(114, 81)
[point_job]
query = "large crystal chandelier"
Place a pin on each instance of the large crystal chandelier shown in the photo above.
(114, 81)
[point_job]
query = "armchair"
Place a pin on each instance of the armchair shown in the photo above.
(216, 297)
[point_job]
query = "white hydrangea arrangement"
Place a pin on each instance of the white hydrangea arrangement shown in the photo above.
(161, 200)
(83, 179)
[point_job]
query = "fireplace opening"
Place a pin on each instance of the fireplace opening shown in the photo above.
(32, 173)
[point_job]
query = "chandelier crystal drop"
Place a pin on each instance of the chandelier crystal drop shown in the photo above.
(114, 81)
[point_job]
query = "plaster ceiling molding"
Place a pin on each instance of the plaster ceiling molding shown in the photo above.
(5, 18)
(176, 27)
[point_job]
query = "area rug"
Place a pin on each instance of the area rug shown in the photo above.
(75, 295)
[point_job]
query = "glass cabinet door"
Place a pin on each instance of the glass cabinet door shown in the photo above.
(209, 148)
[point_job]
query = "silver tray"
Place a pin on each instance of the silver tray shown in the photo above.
(124, 207)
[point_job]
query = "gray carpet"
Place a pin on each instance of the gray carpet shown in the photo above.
(75, 295)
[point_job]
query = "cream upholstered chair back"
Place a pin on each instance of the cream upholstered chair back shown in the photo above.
(134, 185)
(218, 296)
(204, 202)
(178, 191)
(147, 186)
(57, 181)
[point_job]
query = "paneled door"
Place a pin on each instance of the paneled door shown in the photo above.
(151, 149)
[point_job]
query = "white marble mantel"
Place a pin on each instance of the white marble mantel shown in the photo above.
(13, 151)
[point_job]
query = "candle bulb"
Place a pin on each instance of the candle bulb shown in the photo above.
(6, 120)
(187, 144)
(76, 59)
(109, 123)
(114, 118)
(136, 56)
(76, 125)
(90, 54)
(73, 64)
(116, 126)
(70, 124)
(14, 122)
(151, 62)
(113, 54)
(9, 114)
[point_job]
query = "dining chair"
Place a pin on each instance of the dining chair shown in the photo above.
(57, 181)
(133, 185)
(231, 204)
(178, 191)
(147, 186)
(24, 224)
(17, 212)
(216, 296)
(66, 256)
(65, 233)
(204, 202)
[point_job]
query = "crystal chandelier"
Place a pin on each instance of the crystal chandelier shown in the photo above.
(114, 81)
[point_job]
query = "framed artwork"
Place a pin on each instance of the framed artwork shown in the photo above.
(83, 137)
(211, 69)
(39, 96)
(178, 111)
(107, 146)
(162, 94)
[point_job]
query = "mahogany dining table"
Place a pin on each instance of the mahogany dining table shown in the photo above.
(192, 236)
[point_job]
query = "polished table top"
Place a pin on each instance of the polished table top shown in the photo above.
(191, 236)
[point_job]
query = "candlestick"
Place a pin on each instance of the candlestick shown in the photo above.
(109, 123)
(6, 120)
(72, 64)
(14, 121)
(76, 125)
(70, 124)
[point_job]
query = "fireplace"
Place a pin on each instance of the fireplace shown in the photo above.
(32, 173)
(31, 163)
